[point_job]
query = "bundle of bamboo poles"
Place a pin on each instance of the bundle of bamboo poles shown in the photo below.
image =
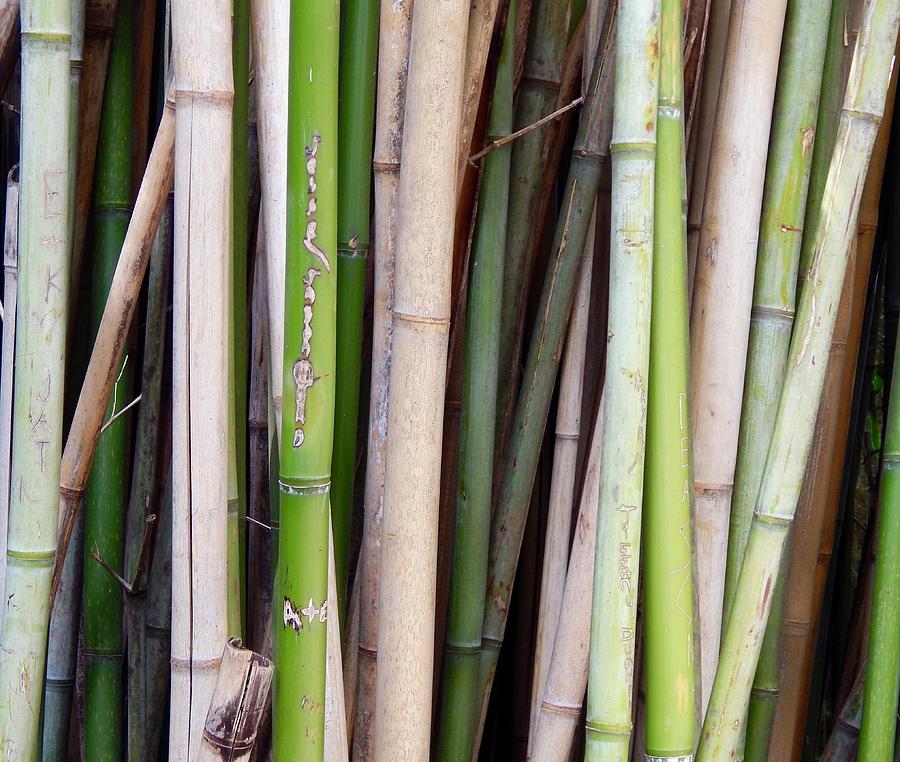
(496, 380)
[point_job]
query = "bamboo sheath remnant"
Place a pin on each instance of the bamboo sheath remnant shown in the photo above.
(723, 293)
(794, 425)
(203, 93)
(393, 50)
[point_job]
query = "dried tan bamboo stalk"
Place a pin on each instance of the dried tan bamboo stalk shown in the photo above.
(114, 326)
(351, 653)
(9, 40)
(720, 318)
(204, 93)
(417, 380)
(269, 27)
(393, 50)
(237, 706)
(563, 696)
(336, 749)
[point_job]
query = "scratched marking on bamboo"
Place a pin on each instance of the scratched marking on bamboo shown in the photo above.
(292, 614)
(302, 370)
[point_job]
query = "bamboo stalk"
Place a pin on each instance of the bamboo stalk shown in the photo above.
(817, 511)
(669, 625)
(882, 682)
(844, 738)
(237, 705)
(9, 40)
(723, 294)
(526, 434)
(269, 27)
(204, 92)
(301, 575)
(563, 697)
(632, 149)
(359, 46)
(457, 718)
(393, 51)
(336, 746)
(109, 344)
(145, 18)
(417, 379)
(10, 285)
(789, 450)
(39, 360)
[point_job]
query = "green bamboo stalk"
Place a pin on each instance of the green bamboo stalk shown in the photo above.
(778, 259)
(808, 359)
(238, 319)
(40, 352)
(526, 434)
(882, 684)
(107, 489)
(460, 698)
(359, 50)
(614, 607)
(301, 576)
(669, 632)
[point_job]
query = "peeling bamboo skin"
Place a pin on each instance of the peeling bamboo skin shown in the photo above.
(795, 421)
(668, 612)
(882, 683)
(417, 379)
(723, 293)
(788, 168)
(393, 50)
(38, 395)
(203, 92)
(301, 577)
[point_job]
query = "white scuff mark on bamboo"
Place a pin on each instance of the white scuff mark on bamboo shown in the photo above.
(291, 616)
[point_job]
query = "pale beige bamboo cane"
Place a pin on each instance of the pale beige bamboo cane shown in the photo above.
(723, 292)
(9, 39)
(103, 367)
(482, 17)
(563, 696)
(10, 270)
(393, 51)
(417, 380)
(701, 142)
(204, 93)
(335, 710)
(269, 27)
(238, 705)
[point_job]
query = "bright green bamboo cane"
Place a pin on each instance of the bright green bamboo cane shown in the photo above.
(526, 434)
(614, 608)
(460, 695)
(107, 488)
(41, 320)
(669, 625)
(879, 716)
(807, 362)
(359, 49)
(301, 580)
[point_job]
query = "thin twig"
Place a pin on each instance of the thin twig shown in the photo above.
(525, 130)
(122, 412)
(133, 588)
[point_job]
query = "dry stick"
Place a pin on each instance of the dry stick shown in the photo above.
(10, 269)
(110, 343)
(204, 93)
(393, 51)
(100, 16)
(563, 696)
(720, 319)
(270, 20)
(696, 26)
(237, 706)
(814, 530)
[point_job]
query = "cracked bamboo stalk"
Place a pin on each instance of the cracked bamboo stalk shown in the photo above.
(10, 276)
(723, 293)
(202, 65)
(795, 421)
(563, 697)
(109, 344)
(393, 51)
(237, 705)
(269, 27)
(37, 422)
(614, 609)
(417, 380)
